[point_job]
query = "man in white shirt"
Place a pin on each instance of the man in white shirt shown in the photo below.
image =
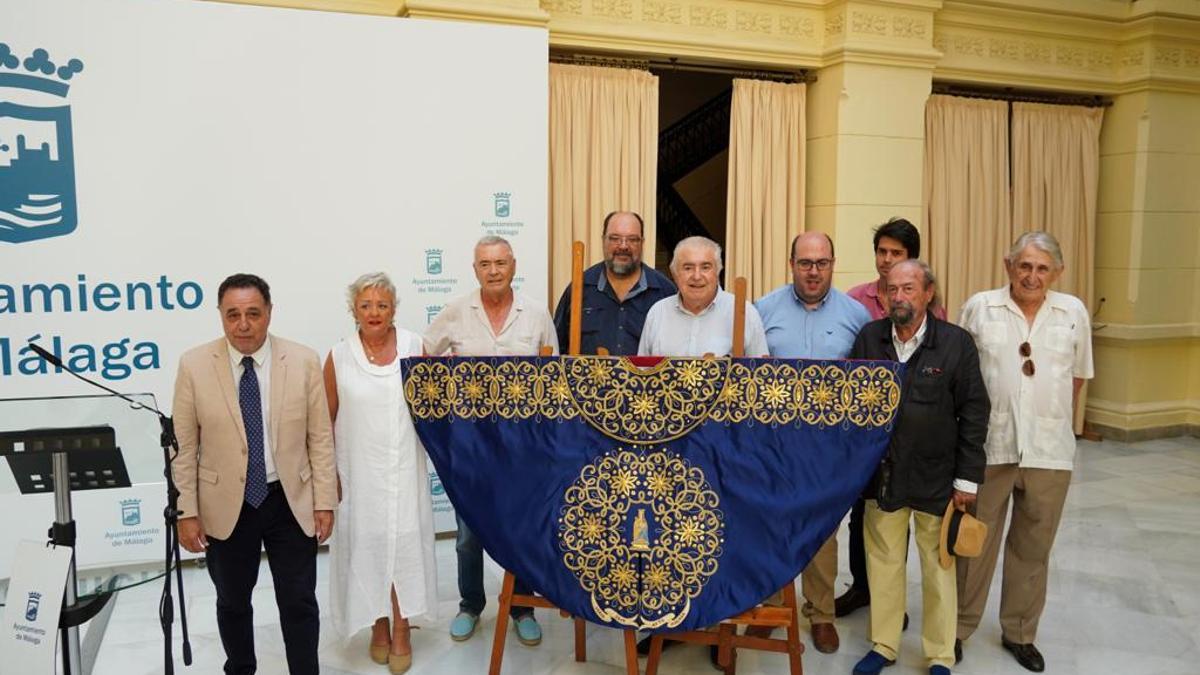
(698, 320)
(1035, 348)
(493, 321)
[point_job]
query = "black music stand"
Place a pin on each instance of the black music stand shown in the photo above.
(61, 461)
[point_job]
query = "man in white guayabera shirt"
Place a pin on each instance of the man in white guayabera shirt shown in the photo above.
(1035, 350)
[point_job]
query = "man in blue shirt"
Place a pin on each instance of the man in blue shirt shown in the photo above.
(809, 319)
(617, 293)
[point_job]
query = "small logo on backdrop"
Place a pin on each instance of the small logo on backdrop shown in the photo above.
(131, 512)
(433, 261)
(431, 312)
(503, 204)
(435, 485)
(37, 161)
(32, 603)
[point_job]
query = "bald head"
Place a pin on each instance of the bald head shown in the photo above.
(811, 239)
(812, 266)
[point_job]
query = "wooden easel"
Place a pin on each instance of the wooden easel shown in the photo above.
(726, 637)
(508, 599)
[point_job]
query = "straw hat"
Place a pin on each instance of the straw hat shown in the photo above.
(962, 535)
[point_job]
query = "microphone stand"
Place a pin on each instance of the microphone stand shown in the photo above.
(170, 448)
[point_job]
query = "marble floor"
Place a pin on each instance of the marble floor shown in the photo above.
(1124, 597)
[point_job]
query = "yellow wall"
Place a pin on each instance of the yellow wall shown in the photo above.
(876, 59)
(1148, 263)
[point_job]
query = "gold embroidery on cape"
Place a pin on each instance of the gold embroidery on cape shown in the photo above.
(645, 406)
(637, 574)
(654, 405)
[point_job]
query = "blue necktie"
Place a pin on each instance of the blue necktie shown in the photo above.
(256, 465)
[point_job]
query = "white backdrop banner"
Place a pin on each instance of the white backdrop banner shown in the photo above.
(149, 149)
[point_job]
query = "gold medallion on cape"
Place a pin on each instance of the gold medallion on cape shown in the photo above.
(642, 532)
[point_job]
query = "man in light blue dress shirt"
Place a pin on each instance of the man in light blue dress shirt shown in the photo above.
(809, 319)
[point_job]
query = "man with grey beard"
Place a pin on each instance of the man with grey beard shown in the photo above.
(934, 459)
(617, 293)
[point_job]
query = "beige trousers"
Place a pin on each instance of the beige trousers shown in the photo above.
(1037, 497)
(885, 536)
(816, 582)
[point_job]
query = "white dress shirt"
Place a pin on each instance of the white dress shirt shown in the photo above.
(262, 370)
(671, 330)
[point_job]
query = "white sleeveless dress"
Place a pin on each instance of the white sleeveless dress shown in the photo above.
(383, 534)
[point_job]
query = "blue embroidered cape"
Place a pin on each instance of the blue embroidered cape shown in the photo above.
(661, 498)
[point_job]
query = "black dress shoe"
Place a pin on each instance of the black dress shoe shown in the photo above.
(957, 651)
(904, 626)
(1026, 654)
(854, 598)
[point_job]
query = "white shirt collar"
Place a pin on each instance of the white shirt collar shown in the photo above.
(261, 357)
(905, 349)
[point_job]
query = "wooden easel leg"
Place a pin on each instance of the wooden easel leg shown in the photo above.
(795, 648)
(631, 661)
(725, 647)
(580, 640)
(506, 593)
(656, 645)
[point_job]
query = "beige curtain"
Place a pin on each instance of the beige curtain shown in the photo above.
(966, 195)
(1056, 173)
(766, 182)
(603, 157)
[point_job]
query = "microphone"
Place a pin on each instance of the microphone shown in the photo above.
(50, 358)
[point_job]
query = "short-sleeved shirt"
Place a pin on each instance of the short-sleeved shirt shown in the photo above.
(868, 294)
(796, 332)
(462, 328)
(1031, 420)
(608, 322)
(671, 330)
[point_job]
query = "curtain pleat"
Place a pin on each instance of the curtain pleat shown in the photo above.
(766, 182)
(966, 195)
(603, 157)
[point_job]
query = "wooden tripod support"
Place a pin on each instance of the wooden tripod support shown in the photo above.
(727, 639)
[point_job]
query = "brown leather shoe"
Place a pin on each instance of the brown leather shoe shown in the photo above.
(825, 638)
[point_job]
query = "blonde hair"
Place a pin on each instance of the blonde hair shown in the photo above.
(369, 280)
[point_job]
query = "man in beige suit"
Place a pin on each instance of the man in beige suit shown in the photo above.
(255, 469)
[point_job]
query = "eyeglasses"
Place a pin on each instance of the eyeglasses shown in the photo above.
(806, 264)
(1026, 352)
(616, 240)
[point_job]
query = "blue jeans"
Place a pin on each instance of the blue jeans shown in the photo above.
(470, 574)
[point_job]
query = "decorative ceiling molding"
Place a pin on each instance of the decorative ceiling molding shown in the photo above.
(1040, 44)
(1093, 46)
(513, 12)
(792, 33)
(378, 7)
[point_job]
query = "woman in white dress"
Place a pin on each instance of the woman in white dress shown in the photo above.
(382, 560)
